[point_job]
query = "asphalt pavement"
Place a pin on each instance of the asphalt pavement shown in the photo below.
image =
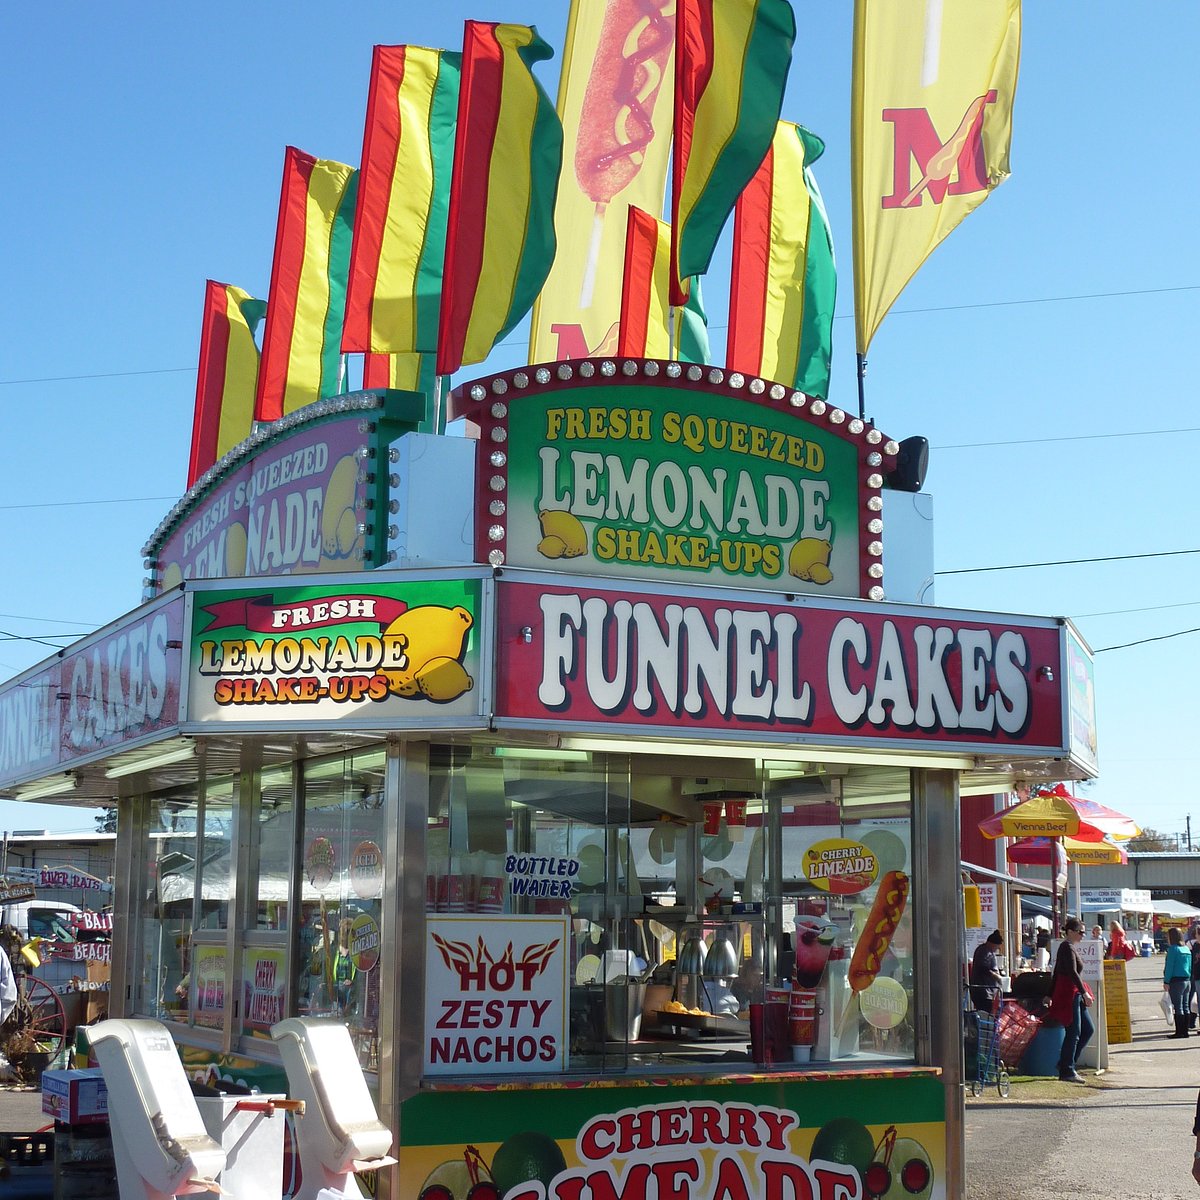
(1124, 1135)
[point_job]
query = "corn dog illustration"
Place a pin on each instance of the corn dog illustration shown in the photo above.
(884, 916)
(616, 124)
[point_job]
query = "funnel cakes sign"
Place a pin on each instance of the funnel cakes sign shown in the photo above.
(376, 652)
(663, 470)
(732, 662)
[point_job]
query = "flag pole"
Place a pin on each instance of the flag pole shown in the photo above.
(862, 397)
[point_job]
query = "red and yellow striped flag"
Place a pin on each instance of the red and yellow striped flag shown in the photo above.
(301, 355)
(507, 158)
(404, 372)
(783, 284)
(644, 330)
(227, 375)
(399, 244)
(731, 67)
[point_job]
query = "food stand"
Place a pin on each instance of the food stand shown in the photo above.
(580, 758)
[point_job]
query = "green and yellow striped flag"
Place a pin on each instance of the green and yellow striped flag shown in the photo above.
(731, 67)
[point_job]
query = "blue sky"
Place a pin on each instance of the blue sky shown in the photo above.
(1043, 350)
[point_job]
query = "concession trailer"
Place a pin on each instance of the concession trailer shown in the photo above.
(598, 767)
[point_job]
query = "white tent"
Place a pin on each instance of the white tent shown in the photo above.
(1175, 908)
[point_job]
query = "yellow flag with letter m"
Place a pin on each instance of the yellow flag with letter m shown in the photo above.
(931, 124)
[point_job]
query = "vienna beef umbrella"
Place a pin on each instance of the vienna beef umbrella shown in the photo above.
(1054, 813)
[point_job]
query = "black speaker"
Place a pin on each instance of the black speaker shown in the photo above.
(912, 464)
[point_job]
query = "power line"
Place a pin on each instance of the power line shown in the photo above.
(1082, 437)
(1144, 641)
(89, 503)
(516, 341)
(1066, 562)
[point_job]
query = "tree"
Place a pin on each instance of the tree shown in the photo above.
(106, 820)
(1152, 841)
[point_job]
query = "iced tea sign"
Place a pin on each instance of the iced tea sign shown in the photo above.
(496, 994)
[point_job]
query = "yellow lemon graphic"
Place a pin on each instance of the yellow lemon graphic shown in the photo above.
(551, 547)
(442, 679)
(172, 576)
(339, 526)
(427, 632)
(235, 549)
(567, 528)
(809, 560)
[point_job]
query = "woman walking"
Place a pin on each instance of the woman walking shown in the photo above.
(1177, 980)
(1069, 1001)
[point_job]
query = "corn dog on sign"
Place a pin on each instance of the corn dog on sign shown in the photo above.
(663, 470)
(371, 653)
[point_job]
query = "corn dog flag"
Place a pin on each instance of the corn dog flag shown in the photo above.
(399, 243)
(783, 282)
(931, 123)
(644, 327)
(227, 375)
(301, 354)
(507, 157)
(731, 67)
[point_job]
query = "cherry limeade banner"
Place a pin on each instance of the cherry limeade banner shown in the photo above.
(857, 676)
(817, 1138)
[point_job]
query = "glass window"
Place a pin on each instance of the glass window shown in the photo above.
(276, 836)
(720, 910)
(167, 907)
(342, 874)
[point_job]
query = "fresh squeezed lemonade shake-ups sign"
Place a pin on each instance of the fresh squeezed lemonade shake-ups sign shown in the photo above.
(633, 473)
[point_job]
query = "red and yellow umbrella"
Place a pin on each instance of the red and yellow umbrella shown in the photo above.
(1056, 813)
(1039, 852)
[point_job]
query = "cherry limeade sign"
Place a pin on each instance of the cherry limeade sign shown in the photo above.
(691, 476)
(834, 1138)
(495, 994)
(643, 659)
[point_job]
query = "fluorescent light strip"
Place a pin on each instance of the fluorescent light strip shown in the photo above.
(165, 759)
(55, 785)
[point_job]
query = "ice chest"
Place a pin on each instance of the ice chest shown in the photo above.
(75, 1097)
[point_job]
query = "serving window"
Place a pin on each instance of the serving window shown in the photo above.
(714, 911)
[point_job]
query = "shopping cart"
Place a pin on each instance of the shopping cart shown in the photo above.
(1016, 1027)
(983, 1067)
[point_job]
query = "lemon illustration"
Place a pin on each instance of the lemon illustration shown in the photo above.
(567, 528)
(551, 547)
(339, 528)
(235, 549)
(809, 560)
(443, 679)
(525, 1157)
(172, 576)
(427, 632)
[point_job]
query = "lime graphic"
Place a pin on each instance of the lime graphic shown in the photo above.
(890, 852)
(528, 1156)
(846, 1141)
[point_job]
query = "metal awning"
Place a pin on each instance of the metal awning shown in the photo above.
(1014, 881)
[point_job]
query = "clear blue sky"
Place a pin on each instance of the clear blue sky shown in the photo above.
(1041, 350)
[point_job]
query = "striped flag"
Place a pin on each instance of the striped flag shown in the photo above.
(399, 244)
(301, 355)
(783, 283)
(644, 328)
(500, 241)
(403, 372)
(227, 375)
(731, 66)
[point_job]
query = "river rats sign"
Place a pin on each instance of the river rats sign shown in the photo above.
(639, 468)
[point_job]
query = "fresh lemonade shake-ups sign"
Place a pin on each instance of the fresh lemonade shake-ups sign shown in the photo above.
(637, 474)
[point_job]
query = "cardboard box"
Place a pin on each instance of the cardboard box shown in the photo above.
(75, 1097)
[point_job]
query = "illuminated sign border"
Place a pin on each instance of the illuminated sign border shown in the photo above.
(485, 402)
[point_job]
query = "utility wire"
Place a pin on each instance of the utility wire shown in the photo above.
(1144, 641)
(521, 338)
(1067, 562)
